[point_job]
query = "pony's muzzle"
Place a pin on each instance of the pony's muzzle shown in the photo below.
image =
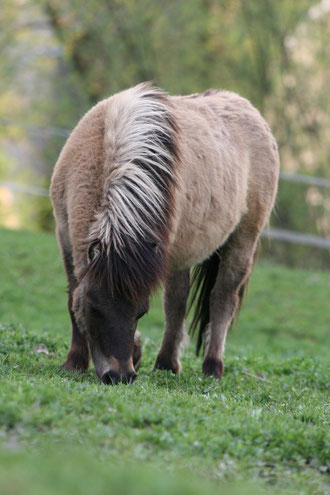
(112, 377)
(111, 370)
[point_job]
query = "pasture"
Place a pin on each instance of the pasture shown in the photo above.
(264, 423)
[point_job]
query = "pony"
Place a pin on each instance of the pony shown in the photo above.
(153, 188)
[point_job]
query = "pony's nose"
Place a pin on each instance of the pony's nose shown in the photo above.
(112, 377)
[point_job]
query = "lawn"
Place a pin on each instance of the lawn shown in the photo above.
(265, 425)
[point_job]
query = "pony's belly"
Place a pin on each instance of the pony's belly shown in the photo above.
(188, 256)
(193, 244)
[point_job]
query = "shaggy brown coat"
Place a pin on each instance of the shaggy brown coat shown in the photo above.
(225, 171)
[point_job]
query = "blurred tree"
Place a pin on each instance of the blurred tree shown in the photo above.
(7, 37)
(38, 92)
(274, 52)
(184, 46)
(190, 45)
(262, 50)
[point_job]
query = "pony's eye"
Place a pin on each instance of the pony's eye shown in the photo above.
(94, 251)
(156, 247)
(93, 309)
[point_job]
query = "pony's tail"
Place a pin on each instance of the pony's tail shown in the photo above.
(202, 283)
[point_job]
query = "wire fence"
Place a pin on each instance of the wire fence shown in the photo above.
(296, 238)
(22, 188)
(282, 235)
(305, 179)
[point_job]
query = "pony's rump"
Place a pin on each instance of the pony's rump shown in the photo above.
(133, 223)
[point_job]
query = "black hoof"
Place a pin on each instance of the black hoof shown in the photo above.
(165, 364)
(213, 367)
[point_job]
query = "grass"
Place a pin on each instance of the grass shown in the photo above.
(264, 424)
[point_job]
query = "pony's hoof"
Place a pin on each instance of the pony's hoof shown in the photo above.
(75, 362)
(166, 364)
(213, 367)
(137, 352)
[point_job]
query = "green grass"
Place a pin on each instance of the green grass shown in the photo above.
(266, 422)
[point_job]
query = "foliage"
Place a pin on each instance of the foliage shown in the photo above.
(266, 421)
(58, 59)
(262, 50)
(114, 44)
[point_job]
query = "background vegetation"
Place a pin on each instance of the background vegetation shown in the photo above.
(58, 59)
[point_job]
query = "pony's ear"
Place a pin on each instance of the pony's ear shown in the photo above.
(94, 250)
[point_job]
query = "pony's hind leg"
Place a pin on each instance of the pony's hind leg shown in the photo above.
(175, 302)
(237, 258)
(78, 355)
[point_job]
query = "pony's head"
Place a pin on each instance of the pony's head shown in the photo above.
(113, 294)
(109, 320)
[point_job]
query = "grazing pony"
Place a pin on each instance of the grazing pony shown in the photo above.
(147, 187)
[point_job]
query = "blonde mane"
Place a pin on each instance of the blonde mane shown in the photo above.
(138, 142)
(137, 203)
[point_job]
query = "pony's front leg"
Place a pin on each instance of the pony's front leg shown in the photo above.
(175, 302)
(78, 355)
(227, 293)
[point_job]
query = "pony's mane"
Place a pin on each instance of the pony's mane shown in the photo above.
(132, 226)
